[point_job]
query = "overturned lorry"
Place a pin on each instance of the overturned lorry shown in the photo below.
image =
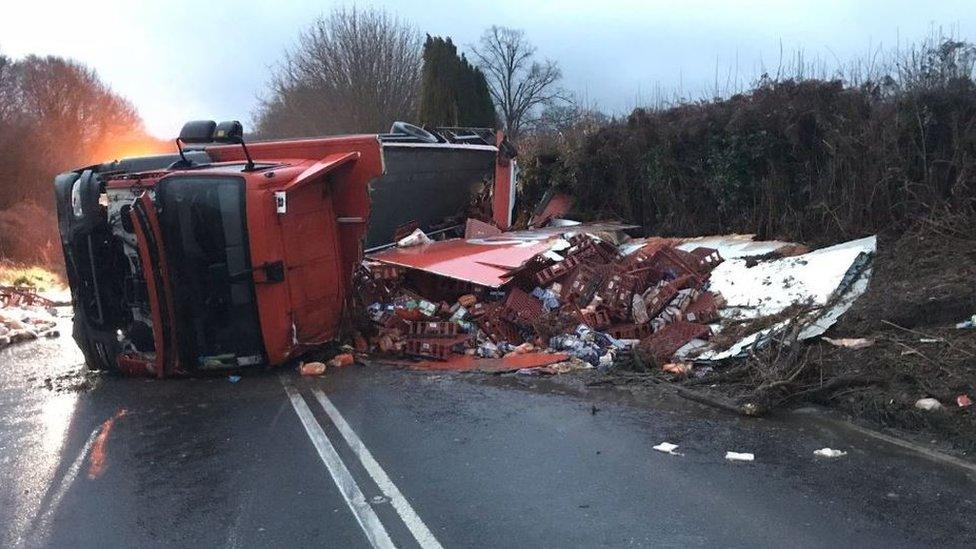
(233, 255)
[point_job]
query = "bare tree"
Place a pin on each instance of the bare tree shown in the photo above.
(55, 114)
(353, 71)
(518, 83)
(7, 93)
(72, 108)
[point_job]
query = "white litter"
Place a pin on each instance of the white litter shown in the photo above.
(737, 456)
(850, 342)
(416, 238)
(667, 448)
(928, 404)
(829, 453)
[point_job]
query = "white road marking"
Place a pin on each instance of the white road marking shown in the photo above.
(70, 475)
(368, 521)
(420, 532)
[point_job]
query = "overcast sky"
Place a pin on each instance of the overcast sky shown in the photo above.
(180, 59)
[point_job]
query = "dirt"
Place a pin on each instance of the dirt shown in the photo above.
(736, 330)
(926, 277)
(74, 380)
(924, 283)
(902, 367)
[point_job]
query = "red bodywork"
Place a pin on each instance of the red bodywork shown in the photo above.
(485, 261)
(319, 239)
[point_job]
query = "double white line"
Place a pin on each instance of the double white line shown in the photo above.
(361, 509)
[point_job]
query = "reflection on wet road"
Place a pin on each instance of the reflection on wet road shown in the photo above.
(430, 460)
(34, 424)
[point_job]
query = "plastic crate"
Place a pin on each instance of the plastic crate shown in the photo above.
(630, 331)
(383, 271)
(520, 307)
(433, 328)
(617, 293)
(437, 348)
(557, 271)
(704, 309)
(598, 319)
(665, 342)
(708, 258)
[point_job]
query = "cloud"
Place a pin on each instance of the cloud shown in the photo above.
(183, 59)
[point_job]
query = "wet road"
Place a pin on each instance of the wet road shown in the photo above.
(375, 455)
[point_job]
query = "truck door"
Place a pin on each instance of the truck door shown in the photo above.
(312, 262)
(155, 267)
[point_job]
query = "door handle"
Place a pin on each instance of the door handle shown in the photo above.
(274, 272)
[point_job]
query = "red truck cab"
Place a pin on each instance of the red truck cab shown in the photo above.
(229, 256)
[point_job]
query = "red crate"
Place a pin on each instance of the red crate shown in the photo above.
(433, 328)
(598, 319)
(584, 285)
(662, 345)
(393, 321)
(586, 248)
(708, 258)
(659, 299)
(630, 331)
(663, 296)
(498, 329)
(438, 348)
(704, 309)
(478, 309)
(677, 263)
(554, 272)
(642, 257)
(617, 293)
(382, 271)
(520, 307)
(645, 277)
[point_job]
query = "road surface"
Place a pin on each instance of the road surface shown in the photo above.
(374, 456)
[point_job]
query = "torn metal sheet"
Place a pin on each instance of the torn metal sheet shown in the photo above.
(853, 286)
(553, 205)
(482, 261)
(819, 267)
(474, 228)
(769, 287)
(732, 246)
(486, 261)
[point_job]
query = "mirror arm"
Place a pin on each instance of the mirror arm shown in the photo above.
(247, 154)
(179, 147)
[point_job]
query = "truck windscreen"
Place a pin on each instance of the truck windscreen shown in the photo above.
(204, 230)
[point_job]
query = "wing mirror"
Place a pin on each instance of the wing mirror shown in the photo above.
(208, 131)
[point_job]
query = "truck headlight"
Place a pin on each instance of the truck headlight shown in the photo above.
(76, 205)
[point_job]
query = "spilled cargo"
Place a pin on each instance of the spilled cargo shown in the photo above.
(594, 293)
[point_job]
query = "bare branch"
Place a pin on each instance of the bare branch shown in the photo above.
(517, 83)
(352, 71)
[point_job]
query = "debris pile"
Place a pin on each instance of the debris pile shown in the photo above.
(597, 297)
(25, 315)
